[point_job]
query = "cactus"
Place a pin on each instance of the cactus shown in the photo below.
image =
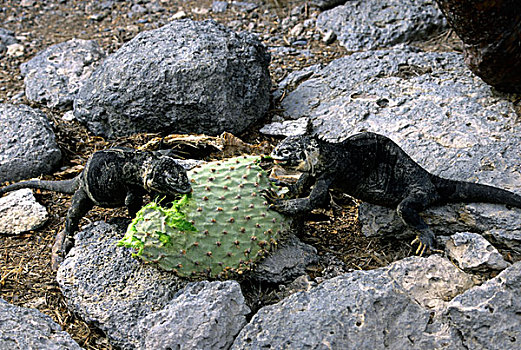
(222, 228)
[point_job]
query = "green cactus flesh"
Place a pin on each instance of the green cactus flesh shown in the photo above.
(222, 227)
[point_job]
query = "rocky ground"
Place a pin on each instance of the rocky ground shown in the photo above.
(287, 28)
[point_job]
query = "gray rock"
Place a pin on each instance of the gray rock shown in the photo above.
(488, 316)
(370, 24)
(219, 6)
(472, 252)
(204, 315)
(245, 6)
(327, 4)
(359, 310)
(54, 76)
(187, 76)
(27, 143)
(23, 328)
(443, 116)
(6, 38)
(105, 286)
(431, 281)
(287, 262)
(285, 128)
(20, 212)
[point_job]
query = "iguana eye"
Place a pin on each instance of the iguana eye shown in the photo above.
(285, 153)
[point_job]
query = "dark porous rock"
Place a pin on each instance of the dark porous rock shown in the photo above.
(287, 262)
(106, 286)
(488, 316)
(204, 315)
(185, 77)
(54, 76)
(24, 328)
(447, 119)
(28, 146)
(370, 24)
(362, 310)
(6, 38)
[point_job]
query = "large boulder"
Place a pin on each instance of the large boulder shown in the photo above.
(204, 315)
(139, 306)
(364, 310)
(28, 145)
(105, 286)
(185, 77)
(443, 116)
(54, 76)
(488, 316)
(23, 328)
(370, 24)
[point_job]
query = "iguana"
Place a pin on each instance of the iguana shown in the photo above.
(112, 178)
(374, 169)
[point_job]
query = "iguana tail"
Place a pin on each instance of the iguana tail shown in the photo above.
(65, 186)
(453, 191)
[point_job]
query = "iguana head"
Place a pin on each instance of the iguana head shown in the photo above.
(299, 153)
(167, 176)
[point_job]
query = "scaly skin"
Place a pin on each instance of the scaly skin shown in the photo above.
(374, 169)
(112, 178)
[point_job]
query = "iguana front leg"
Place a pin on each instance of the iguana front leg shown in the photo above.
(133, 202)
(64, 241)
(304, 182)
(317, 198)
(409, 211)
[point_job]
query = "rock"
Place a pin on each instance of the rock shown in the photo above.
(359, 310)
(285, 128)
(24, 328)
(204, 315)
(245, 6)
(487, 316)
(443, 116)
(105, 286)
(472, 252)
(20, 212)
(186, 77)
(27, 143)
(327, 4)
(6, 38)
(219, 6)
(287, 262)
(54, 76)
(431, 281)
(370, 24)
(15, 50)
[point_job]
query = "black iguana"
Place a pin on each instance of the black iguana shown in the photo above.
(374, 169)
(112, 178)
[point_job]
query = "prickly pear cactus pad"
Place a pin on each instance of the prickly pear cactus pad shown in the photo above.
(222, 227)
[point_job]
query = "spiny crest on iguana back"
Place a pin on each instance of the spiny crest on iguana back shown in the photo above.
(222, 228)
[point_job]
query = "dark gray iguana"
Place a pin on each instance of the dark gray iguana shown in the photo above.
(112, 178)
(374, 169)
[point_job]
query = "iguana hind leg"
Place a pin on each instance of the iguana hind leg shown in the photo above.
(64, 241)
(409, 211)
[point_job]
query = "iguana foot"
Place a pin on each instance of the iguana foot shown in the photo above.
(426, 242)
(272, 198)
(421, 247)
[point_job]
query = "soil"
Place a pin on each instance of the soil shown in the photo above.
(26, 278)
